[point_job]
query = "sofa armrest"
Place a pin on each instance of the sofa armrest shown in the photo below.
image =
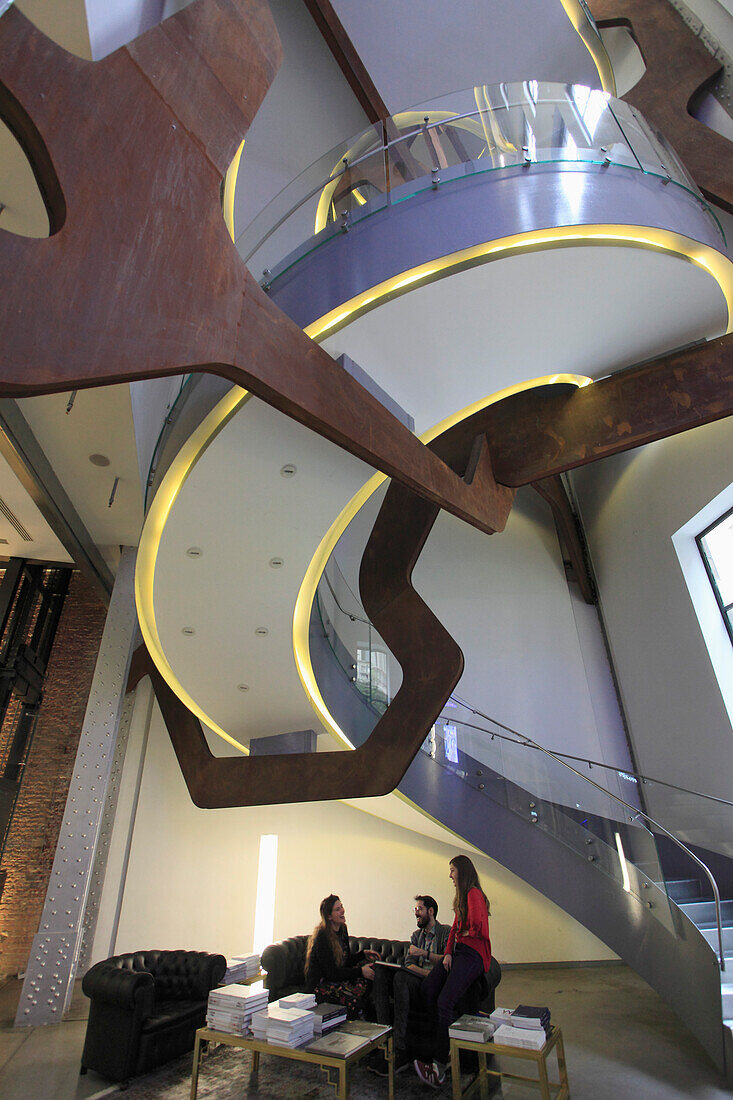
(119, 987)
(210, 970)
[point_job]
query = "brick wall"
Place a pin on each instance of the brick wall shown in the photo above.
(40, 806)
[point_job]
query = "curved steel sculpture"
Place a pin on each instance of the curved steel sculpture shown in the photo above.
(154, 287)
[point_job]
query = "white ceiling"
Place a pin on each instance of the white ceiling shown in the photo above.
(99, 423)
(587, 310)
(238, 509)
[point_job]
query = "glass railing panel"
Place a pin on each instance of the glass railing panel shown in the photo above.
(483, 129)
(703, 822)
(305, 208)
(364, 656)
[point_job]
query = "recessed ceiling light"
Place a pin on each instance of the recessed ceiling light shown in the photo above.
(242, 687)
(261, 631)
(194, 551)
(99, 460)
(188, 630)
(289, 470)
(277, 563)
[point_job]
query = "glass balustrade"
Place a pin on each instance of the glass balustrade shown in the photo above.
(359, 649)
(487, 129)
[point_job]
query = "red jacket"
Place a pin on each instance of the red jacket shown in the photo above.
(475, 932)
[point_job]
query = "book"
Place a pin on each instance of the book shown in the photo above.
(526, 1037)
(298, 1000)
(339, 1044)
(476, 1029)
(236, 996)
(327, 1016)
(390, 966)
(367, 1030)
(501, 1016)
(531, 1016)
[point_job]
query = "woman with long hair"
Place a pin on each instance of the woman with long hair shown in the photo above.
(467, 957)
(332, 972)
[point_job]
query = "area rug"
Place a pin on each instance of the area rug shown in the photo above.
(226, 1074)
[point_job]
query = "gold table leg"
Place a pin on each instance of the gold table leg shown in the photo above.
(455, 1071)
(195, 1070)
(483, 1077)
(390, 1060)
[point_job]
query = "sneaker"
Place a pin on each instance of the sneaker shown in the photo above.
(430, 1073)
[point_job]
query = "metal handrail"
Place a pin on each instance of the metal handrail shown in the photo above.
(527, 741)
(348, 614)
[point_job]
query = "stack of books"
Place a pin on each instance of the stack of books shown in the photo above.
(326, 1017)
(476, 1029)
(283, 1027)
(527, 1026)
(241, 967)
(231, 1008)
(298, 1000)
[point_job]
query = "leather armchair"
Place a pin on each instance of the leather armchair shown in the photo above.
(145, 1009)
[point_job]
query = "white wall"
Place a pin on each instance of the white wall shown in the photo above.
(192, 873)
(632, 505)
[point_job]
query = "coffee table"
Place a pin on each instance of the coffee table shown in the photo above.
(296, 1054)
(539, 1057)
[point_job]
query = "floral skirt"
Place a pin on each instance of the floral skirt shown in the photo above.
(353, 995)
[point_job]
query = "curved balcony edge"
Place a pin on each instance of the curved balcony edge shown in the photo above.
(439, 227)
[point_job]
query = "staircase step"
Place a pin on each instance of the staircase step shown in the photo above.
(726, 996)
(683, 889)
(702, 913)
(711, 935)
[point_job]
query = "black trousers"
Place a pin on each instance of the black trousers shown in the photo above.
(402, 988)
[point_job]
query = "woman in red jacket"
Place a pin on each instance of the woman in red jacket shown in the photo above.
(467, 957)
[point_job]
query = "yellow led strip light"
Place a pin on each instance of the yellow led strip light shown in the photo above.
(627, 236)
(592, 42)
(147, 554)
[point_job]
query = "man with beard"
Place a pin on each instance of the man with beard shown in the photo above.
(402, 987)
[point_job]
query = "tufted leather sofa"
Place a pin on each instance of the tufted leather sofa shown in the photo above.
(285, 966)
(145, 1009)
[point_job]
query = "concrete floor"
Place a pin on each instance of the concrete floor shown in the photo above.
(621, 1040)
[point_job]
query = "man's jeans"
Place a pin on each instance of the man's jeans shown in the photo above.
(404, 987)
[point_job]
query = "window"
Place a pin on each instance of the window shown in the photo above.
(715, 544)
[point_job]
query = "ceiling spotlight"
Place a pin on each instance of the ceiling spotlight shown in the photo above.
(242, 687)
(277, 563)
(289, 470)
(99, 460)
(261, 631)
(194, 551)
(188, 630)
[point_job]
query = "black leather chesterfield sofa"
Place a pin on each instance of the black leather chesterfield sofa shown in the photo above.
(285, 966)
(145, 1009)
